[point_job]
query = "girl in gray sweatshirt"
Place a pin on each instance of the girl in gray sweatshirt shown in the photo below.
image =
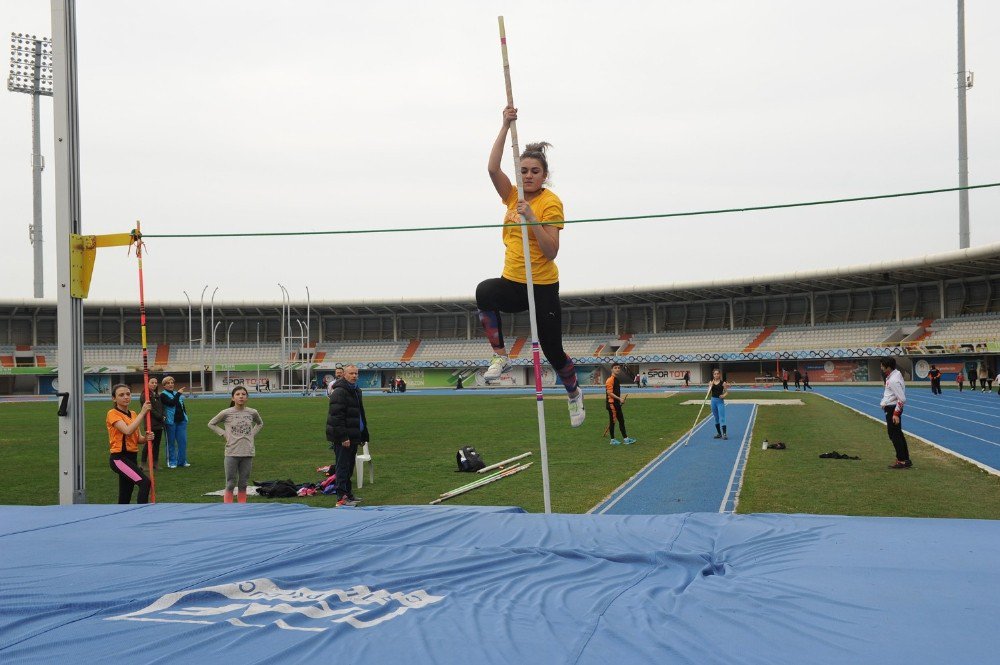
(240, 426)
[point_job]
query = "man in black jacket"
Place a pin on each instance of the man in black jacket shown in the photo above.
(346, 430)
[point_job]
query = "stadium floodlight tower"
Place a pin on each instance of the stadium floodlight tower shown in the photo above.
(31, 73)
(286, 301)
(965, 79)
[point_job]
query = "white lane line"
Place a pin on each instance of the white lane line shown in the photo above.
(739, 465)
(634, 481)
(934, 424)
(974, 462)
(946, 404)
(917, 406)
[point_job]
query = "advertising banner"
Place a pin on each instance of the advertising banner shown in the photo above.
(591, 375)
(92, 385)
(515, 377)
(670, 374)
(28, 370)
(835, 371)
(245, 379)
(931, 348)
(430, 377)
(369, 379)
(949, 369)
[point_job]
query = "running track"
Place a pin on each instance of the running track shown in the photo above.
(703, 476)
(966, 423)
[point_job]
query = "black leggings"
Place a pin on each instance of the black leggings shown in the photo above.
(500, 294)
(615, 412)
(126, 465)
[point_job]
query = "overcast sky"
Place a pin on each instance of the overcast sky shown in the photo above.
(226, 115)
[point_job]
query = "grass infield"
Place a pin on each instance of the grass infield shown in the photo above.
(415, 438)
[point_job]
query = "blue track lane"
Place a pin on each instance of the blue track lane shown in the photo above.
(703, 476)
(966, 423)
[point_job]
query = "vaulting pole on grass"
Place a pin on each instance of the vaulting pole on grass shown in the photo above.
(470, 484)
(484, 481)
(525, 230)
(698, 417)
(137, 241)
(500, 464)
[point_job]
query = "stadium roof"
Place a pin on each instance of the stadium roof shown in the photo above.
(976, 262)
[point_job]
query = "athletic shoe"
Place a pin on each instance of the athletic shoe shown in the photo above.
(498, 366)
(577, 414)
(628, 441)
(346, 501)
(725, 437)
(171, 466)
(187, 464)
(899, 464)
(355, 499)
(717, 436)
(615, 442)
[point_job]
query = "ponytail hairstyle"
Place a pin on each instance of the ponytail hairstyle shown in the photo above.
(537, 151)
(232, 402)
(114, 389)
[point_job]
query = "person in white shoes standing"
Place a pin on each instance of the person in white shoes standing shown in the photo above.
(892, 403)
(509, 292)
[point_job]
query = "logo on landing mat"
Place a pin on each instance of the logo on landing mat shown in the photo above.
(260, 602)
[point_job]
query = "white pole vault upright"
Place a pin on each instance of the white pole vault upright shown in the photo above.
(525, 230)
(72, 481)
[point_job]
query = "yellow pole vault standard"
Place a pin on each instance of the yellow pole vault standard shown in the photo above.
(136, 239)
(83, 254)
(525, 230)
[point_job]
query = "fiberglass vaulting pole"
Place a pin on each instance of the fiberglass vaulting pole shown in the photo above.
(137, 240)
(525, 230)
(69, 308)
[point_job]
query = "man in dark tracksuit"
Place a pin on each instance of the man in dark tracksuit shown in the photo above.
(346, 430)
(935, 376)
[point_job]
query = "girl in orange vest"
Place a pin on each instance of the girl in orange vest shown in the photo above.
(124, 438)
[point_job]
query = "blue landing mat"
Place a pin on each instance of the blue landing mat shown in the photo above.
(266, 583)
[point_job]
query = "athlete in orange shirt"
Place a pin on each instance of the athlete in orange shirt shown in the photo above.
(124, 438)
(614, 402)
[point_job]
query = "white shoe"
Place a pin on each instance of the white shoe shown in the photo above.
(577, 414)
(498, 366)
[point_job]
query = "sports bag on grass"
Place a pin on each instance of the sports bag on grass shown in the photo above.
(278, 489)
(469, 460)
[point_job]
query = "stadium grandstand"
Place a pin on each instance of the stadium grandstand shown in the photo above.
(833, 323)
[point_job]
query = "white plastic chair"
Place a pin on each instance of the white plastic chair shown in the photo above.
(360, 459)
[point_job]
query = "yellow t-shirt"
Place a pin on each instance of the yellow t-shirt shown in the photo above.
(547, 208)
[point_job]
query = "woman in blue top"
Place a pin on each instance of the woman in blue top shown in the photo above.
(175, 420)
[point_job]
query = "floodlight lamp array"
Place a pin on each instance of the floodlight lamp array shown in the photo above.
(25, 76)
